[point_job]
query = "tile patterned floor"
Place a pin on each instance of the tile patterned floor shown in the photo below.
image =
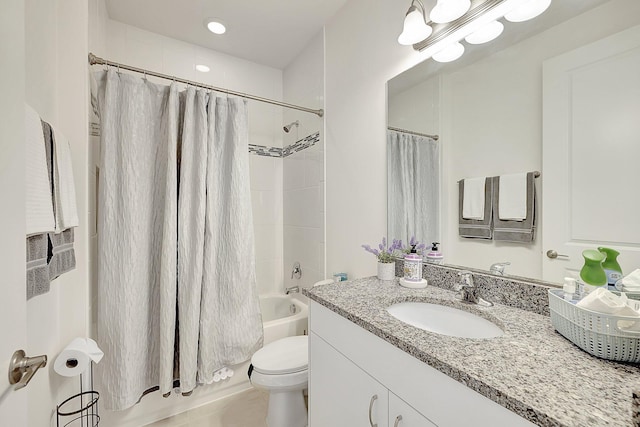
(246, 409)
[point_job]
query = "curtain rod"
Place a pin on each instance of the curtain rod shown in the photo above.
(95, 60)
(434, 137)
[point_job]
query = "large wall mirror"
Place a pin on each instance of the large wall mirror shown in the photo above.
(495, 111)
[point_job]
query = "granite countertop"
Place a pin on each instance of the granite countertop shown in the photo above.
(531, 370)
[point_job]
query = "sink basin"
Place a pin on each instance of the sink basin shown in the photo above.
(444, 320)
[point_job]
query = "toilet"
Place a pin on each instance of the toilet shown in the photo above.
(282, 368)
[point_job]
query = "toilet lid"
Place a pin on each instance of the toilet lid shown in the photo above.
(283, 356)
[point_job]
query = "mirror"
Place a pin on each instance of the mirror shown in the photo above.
(486, 108)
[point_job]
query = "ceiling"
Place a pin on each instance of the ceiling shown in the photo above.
(269, 32)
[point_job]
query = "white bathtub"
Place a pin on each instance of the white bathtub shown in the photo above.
(283, 316)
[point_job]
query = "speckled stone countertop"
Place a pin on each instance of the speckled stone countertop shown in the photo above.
(531, 370)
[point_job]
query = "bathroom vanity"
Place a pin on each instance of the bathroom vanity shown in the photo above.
(369, 368)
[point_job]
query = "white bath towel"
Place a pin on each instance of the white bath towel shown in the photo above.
(512, 199)
(63, 184)
(473, 198)
(38, 202)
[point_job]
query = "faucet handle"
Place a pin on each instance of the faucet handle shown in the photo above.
(498, 268)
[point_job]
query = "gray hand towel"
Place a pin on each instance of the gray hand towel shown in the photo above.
(63, 257)
(478, 229)
(516, 231)
(37, 267)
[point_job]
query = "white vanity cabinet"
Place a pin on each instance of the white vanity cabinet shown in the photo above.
(403, 415)
(347, 396)
(349, 365)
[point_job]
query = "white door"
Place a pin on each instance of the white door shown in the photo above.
(13, 404)
(340, 393)
(591, 148)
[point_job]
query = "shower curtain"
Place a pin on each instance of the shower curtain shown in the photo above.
(413, 187)
(176, 265)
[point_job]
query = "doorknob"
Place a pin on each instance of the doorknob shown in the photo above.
(23, 368)
(553, 254)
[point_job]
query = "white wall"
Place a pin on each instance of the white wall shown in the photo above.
(362, 54)
(120, 42)
(56, 86)
(303, 178)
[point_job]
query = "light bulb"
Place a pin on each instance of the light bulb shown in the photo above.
(202, 68)
(528, 10)
(449, 10)
(485, 33)
(216, 27)
(415, 29)
(449, 53)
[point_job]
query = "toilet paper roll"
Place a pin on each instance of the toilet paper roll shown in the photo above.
(76, 356)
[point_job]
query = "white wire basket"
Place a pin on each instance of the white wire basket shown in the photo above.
(602, 335)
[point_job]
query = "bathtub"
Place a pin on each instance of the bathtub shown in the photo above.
(283, 316)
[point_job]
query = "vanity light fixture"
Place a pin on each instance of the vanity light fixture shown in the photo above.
(479, 24)
(485, 33)
(202, 68)
(449, 10)
(415, 26)
(449, 53)
(215, 26)
(528, 10)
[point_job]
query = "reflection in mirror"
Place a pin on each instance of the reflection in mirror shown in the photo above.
(413, 185)
(487, 108)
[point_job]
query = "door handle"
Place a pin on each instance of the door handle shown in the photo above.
(553, 254)
(398, 419)
(23, 368)
(373, 399)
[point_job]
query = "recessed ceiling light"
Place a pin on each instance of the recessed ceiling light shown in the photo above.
(202, 68)
(215, 26)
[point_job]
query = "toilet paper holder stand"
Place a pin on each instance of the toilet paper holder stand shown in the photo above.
(83, 406)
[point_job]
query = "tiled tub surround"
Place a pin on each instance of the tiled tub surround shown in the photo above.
(513, 291)
(304, 143)
(531, 370)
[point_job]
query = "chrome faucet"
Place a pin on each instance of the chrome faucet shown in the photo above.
(469, 291)
(498, 268)
(292, 289)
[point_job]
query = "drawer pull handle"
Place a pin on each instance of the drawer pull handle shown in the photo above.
(398, 419)
(373, 399)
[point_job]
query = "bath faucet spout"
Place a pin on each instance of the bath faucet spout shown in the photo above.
(292, 289)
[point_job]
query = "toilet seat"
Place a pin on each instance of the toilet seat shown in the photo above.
(284, 356)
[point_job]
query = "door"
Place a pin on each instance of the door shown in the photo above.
(591, 147)
(13, 404)
(340, 393)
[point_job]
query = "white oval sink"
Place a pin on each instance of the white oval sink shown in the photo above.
(444, 320)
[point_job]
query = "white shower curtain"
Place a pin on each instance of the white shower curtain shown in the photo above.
(176, 280)
(413, 187)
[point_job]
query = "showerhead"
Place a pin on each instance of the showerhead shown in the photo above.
(288, 127)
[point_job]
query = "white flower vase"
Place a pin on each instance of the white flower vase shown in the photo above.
(386, 270)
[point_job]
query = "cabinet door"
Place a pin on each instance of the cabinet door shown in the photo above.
(340, 393)
(403, 415)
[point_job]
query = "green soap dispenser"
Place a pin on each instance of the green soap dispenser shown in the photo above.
(611, 267)
(592, 273)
